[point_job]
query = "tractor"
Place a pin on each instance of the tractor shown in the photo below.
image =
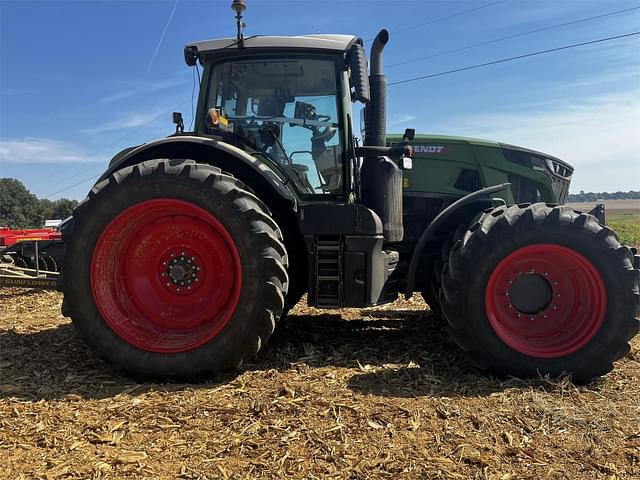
(189, 249)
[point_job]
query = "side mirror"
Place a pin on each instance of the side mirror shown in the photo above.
(359, 74)
(177, 119)
(409, 135)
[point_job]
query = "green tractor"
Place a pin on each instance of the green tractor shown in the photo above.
(188, 250)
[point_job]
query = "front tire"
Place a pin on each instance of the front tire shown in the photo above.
(535, 289)
(173, 269)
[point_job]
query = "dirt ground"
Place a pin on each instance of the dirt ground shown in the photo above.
(377, 393)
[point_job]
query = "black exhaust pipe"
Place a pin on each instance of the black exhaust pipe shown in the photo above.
(381, 179)
(376, 129)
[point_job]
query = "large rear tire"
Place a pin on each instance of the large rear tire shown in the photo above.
(173, 269)
(536, 289)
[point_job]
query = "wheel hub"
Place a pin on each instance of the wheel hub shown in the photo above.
(181, 271)
(545, 300)
(530, 293)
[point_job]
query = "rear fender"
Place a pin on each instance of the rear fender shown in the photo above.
(227, 157)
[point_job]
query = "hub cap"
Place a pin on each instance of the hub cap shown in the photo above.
(166, 276)
(545, 300)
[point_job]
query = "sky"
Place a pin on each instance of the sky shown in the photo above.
(80, 80)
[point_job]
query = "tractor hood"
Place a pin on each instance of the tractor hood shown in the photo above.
(430, 140)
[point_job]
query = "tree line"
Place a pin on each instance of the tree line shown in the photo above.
(19, 208)
(595, 196)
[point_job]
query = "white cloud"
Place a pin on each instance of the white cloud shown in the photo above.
(144, 88)
(12, 92)
(131, 120)
(400, 120)
(600, 137)
(40, 150)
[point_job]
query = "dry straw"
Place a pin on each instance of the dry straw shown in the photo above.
(378, 393)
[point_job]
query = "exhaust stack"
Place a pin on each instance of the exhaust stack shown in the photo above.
(377, 110)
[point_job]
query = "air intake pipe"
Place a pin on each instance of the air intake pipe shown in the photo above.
(376, 129)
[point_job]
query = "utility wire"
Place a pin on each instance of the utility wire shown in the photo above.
(126, 135)
(71, 186)
(446, 17)
(93, 177)
(517, 57)
(509, 37)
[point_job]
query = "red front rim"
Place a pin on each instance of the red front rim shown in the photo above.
(573, 314)
(166, 276)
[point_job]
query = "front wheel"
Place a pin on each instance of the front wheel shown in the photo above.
(173, 269)
(535, 289)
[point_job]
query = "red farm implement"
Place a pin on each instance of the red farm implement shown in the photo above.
(29, 258)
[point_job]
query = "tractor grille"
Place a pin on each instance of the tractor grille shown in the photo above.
(468, 180)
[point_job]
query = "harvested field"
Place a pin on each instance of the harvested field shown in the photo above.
(377, 393)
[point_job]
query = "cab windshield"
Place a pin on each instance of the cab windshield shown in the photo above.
(286, 108)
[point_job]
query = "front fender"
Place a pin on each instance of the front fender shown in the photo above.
(474, 202)
(205, 150)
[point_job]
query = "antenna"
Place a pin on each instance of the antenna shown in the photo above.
(239, 6)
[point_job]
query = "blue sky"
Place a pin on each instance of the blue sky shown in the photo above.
(80, 80)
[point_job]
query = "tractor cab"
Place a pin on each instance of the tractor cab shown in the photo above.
(287, 102)
(286, 99)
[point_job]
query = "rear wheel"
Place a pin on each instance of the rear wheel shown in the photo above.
(536, 289)
(174, 269)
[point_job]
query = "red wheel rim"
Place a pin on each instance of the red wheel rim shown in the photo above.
(166, 276)
(567, 321)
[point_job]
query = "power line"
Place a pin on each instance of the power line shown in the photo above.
(517, 57)
(446, 17)
(115, 142)
(93, 177)
(71, 186)
(509, 37)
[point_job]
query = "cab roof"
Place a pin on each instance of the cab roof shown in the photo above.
(225, 46)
